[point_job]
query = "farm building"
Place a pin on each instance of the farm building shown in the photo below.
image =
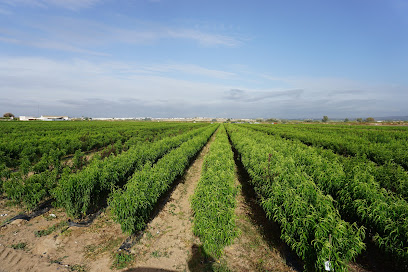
(53, 118)
(44, 118)
(27, 118)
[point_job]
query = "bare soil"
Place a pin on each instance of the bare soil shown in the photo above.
(167, 242)
(64, 248)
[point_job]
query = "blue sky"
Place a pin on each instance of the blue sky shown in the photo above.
(171, 58)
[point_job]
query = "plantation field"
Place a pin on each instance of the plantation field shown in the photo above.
(102, 196)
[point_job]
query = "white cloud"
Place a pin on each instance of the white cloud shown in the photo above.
(190, 69)
(55, 45)
(40, 77)
(83, 36)
(80, 87)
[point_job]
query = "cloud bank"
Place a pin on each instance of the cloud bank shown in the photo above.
(79, 87)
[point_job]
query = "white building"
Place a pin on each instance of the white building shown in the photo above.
(44, 118)
(53, 118)
(27, 118)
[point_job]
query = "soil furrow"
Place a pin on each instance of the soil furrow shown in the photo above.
(167, 242)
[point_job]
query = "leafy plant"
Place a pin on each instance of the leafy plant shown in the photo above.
(214, 201)
(122, 260)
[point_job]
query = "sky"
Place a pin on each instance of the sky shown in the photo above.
(193, 58)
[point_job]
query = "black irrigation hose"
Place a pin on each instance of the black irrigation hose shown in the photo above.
(131, 241)
(85, 223)
(43, 208)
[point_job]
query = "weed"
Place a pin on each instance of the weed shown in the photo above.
(149, 235)
(91, 251)
(19, 246)
(78, 268)
(58, 261)
(158, 254)
(41, 233)
(122, 260)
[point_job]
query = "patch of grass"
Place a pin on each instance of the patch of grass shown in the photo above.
(66, 231)
(122, 260)
(59, 260)
(172, 208)
(19, 246)
(149, 235)
(91, 251)
(49, 217)
(220, 267)
(158, 254)
(78, 268)
(41, 233)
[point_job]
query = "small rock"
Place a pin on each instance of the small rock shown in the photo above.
(53, 215)
(18, 222)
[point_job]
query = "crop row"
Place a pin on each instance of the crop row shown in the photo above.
(34, 188)
(27, 143)
(84, 190)
(389, 175)
(214, 201)
(132, 205)
(381, 147)
(354, 187)
(310, 223)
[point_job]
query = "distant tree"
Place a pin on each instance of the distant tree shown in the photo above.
(8, 115)
(214, 120)
(370, 119)
(346, 120)
(259, 120)
(325, 119)
(272, 120)
(360, 120)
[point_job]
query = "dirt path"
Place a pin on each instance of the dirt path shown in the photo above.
(18, 260)
(63, 249)
(167, 242)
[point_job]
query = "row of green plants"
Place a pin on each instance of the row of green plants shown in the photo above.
(133, 204)
(389, 174)
(31, 189)
(310, 223)
(86, 190)
(214, 201)
(358, 194)
(29, 142)
(380, 146)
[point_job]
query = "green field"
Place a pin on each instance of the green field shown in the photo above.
(333, 189)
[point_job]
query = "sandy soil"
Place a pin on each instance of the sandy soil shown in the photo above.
(73, 248)
(167, 243)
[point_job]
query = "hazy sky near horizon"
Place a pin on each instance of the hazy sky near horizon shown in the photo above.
(184, 58)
